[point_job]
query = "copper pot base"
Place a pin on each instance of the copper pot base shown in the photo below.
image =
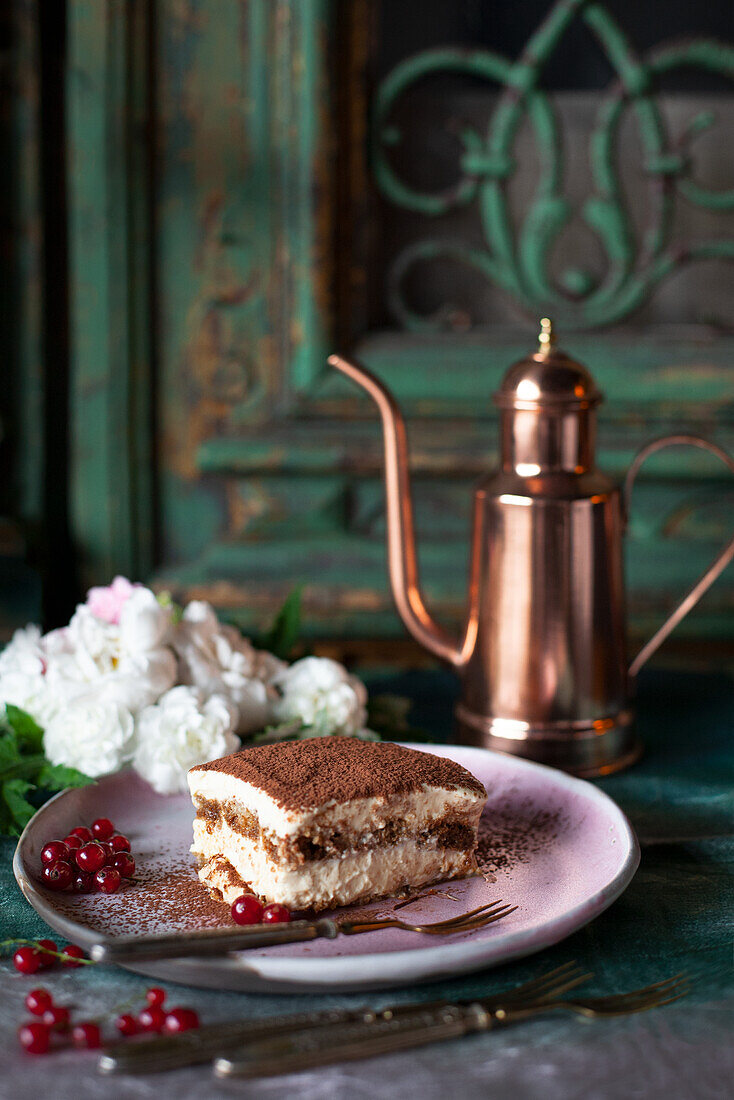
(584, 749)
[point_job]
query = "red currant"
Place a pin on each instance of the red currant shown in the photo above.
(107, 880)
(90, 857)
(57, 875)
(84, 834)
(86, 1035)
(155, 996)
(83, 883)
(55, 849)
(109, 853)
(72, 841)
(119, 843)
(124, 863)
(152, 1018)
(56, 1017)
(102, 828)
(38, 1000)
(247, 909)
(47, 960)
(181, 1019)
(27, 960)
(127, 1024)
(34, 1037)
(276, 914)
(71, 955)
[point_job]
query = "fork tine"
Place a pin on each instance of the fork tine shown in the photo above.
(668, 985)
(535, 986)
(477, 922)
(458, 924)
(458, 919)
(487, 918)
(633, 1007)
(539, 986)
(554, 989)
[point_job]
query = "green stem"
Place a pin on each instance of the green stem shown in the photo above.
(5, 944)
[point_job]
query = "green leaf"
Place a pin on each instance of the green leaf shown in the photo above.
(9, 751)
(27, 730)
(286, 627)
(55, 777)
(19, 808)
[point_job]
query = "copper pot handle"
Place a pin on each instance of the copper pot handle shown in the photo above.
(718, 565)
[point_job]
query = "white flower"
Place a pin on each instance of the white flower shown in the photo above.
(93, 735)
(125, 663)
(217, 659)
(144, 622)
(321, 693)
(23, 665)
(181, 730)
(24, 652)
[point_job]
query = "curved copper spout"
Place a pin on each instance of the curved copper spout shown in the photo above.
(402, 564)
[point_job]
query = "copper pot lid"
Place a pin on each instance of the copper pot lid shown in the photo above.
(547, 378)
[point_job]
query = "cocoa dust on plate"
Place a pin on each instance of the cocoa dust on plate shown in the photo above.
(166, 894)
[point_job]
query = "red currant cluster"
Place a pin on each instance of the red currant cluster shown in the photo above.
(247, 909)
(88, 860)
(37, 1036)
(43, 954)
(154, 1017)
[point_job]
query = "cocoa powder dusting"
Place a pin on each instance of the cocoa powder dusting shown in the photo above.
(305, 774)
(164, 894)
(167, 894)
(507, 839)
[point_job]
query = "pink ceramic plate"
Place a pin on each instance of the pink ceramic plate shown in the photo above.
(554, 846)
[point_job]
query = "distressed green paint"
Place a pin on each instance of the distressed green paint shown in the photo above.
(109, 299)
(302, 94)
(288, 451)
(267, 466)
(343, 595)
(22, 295)
(517, 259)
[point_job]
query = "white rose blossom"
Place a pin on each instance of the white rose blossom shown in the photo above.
(182, 729)
(23, 665)
(322, 695)
(125, 663)
(93, 735)
(217, 659)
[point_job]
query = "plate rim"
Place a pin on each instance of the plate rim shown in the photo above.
(319, 974)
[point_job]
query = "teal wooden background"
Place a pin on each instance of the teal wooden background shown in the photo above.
(220, 213)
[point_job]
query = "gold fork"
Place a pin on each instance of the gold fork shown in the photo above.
(151, 1053)
(218, 941)
(351, 1042)
(464, 922)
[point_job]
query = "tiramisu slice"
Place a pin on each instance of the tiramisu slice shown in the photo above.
(332, 820)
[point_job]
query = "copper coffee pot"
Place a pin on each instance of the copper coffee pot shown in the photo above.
(543, 656)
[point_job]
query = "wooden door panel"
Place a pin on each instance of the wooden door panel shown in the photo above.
(222, 218)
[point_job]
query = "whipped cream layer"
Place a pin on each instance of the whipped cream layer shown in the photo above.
(327, 883)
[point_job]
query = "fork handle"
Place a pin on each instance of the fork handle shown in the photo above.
(308, 1050)
(208, 942)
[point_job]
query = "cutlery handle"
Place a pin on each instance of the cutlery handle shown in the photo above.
(213, 941)
(306, 1050)
(152, 1053)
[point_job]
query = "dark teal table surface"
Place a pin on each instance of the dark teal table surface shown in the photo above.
(677, 914)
